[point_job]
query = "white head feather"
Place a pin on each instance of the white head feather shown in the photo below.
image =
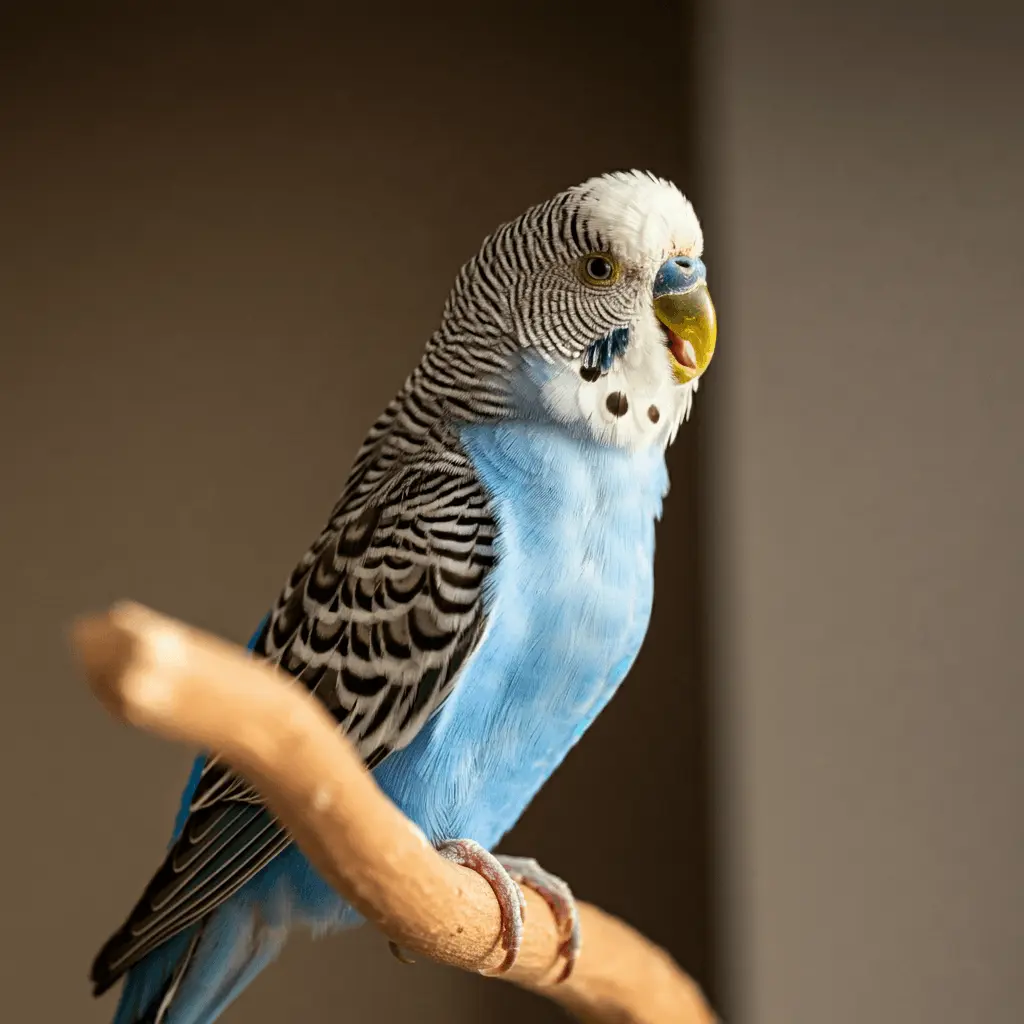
(646, 216)
(646, 220)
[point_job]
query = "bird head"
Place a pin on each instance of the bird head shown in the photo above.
(602, 294)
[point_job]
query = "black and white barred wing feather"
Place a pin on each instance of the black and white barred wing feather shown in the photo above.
(377, 620)
(380, 614)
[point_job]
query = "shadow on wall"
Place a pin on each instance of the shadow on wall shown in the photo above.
(227, 241)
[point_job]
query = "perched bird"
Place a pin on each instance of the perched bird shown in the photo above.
(479, 592)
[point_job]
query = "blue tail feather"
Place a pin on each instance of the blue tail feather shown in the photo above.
(147, 983)
(193, 976)
(237, 944)
(186, 981)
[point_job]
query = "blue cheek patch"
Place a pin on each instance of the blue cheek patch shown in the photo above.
(606, 350)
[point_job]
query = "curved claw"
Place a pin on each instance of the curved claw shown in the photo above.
(398, 954)
(558, 896)
(510, 898)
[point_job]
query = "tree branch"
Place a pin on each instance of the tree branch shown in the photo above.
(182, 684)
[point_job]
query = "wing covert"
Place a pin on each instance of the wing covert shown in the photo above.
(377, 620)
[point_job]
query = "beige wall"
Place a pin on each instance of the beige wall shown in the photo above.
(865, 442)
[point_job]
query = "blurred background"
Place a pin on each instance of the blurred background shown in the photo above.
(809, 790)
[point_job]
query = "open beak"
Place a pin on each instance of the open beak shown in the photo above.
(683, 304)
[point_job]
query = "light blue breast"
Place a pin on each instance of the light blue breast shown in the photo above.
(568, 602)
(568, 605)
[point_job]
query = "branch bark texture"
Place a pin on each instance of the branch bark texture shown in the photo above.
(177, 682)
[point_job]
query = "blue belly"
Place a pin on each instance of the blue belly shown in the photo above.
(568, 606)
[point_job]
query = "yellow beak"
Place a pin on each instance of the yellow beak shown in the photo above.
(692, 327)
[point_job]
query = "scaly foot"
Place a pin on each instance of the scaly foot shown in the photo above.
(558, 896)
(471, 854)
(505, 875)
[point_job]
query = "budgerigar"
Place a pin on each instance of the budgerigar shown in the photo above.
(479, 592)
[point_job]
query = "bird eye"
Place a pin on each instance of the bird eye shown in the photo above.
(599, 270)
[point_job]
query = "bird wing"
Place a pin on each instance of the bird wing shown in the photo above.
(377, 619)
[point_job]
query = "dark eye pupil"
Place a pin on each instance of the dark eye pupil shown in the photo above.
(599, 268)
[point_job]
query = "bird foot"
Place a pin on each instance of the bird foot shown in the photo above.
(558, 896)
(471, 854)
(505, 875)
(399, 954)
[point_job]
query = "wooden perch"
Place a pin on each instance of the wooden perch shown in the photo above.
(162, 676)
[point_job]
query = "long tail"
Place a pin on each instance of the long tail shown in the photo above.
(193, 977)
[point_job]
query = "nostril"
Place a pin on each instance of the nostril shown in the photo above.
(685, 264)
